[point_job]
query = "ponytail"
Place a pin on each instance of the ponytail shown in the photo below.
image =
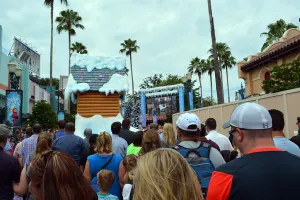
(151, 142)
(44, 143)
(104, 143)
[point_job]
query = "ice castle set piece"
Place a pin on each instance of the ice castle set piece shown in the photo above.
(97, 85)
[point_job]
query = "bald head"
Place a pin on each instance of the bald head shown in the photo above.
(70, 127)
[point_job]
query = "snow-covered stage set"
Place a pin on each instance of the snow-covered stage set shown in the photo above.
(98, 86)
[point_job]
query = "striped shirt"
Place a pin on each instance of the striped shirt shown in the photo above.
(28, 146)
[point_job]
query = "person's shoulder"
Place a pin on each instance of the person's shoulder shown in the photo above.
(231, 167)
(118, 157)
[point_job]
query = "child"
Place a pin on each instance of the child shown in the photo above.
(130, 163)
(105, 180)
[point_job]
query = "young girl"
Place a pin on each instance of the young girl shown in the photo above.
(130, 163)
(106, 179)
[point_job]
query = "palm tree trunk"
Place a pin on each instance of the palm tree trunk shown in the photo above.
(131, 76)
(69, 53)
(199, 76)
(211, 94)
(51, 43)
(219, 84)
(227, 84)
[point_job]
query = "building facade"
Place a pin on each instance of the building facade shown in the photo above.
(257, 68)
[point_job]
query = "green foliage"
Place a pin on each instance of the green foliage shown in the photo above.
(129, 46)
(283, 77)
(46, 82)
(79, 48)
(69, 117)
(43, 114)
(207, 101)
(68, 21)
(275, 32)
(158, 80)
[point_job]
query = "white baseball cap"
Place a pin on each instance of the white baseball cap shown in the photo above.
(250, 116)
(187, 119)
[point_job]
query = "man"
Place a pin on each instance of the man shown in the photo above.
(10, 168)
(29, 145)
(87, 134)
(264, 171)
(119, 145)
(204, 139)
(279, 139)
(188, 130)
(221, 140)
(201, 157)
(61, 129)
(126, 134)
(72, 144)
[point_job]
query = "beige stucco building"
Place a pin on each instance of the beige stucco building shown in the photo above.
(256, 69)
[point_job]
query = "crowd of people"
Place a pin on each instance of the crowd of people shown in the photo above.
(193, 162)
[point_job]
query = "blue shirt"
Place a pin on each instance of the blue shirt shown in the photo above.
(287, 145)
(59, 134)
(7, 146)
(107, 197)
(74, 146)
(96, 162)
(119, 145)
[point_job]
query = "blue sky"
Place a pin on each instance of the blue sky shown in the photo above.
(169, 32)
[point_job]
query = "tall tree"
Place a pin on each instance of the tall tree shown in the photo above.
(226, 60)
(197, 66)
(275, 32)
(50, 3)
(78, 48)
(209, 68)
(128, 47)
(219, 82)
(229, 62)
(68, 21)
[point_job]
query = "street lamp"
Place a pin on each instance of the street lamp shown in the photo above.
(15, 74)
(241, 92)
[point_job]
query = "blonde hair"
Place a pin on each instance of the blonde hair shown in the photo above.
(164, 174)
(169, 135)
(151, 141)
(130, 163)
(104, 143)
(106, 179)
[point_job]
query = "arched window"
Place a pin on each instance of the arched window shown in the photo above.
(267, 76)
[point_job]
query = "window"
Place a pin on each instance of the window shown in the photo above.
(267, 76)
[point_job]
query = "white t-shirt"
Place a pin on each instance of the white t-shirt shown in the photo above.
(215, 156)
(221, 140)
(126, 191)
(287, 145)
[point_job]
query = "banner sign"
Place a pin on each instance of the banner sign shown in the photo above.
(27, 56)
(14, 107)
(61, 116)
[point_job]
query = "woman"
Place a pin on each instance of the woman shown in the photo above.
(164, 174)
(136, 145)
(44, 144)
(103, 159)
(92, 143)
(169, 136)
(129, 163)
(151, 141)
(55, 175)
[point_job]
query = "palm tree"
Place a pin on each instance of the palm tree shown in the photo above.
(209, 68)
(222, 48)
(219, 83)
(275, 32)
(128, 47)
(50, 3)
(67, 21)
(197, 67)
(78, 48)
(229, 62)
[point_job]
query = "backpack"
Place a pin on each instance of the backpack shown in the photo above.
(198, 159)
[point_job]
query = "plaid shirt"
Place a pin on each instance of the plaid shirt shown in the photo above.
(28, 146)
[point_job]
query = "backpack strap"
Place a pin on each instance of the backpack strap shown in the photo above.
(107, 163)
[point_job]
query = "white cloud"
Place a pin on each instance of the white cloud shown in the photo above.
(169, 33)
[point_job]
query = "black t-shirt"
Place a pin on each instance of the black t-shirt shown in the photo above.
(126, 135)
(10, 171)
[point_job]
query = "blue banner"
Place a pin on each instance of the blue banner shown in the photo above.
(14, 107)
